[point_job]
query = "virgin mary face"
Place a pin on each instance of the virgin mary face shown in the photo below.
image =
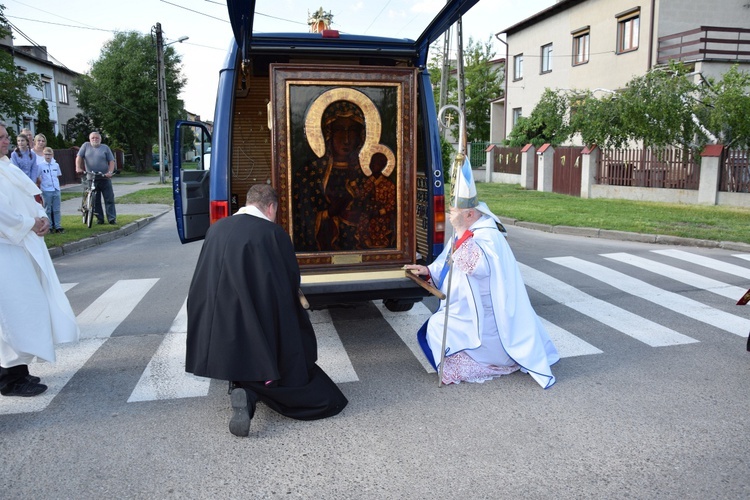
(345, 138)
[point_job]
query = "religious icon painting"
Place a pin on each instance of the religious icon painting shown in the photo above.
(345, 162)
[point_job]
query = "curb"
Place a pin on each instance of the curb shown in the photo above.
(625, 236)
(100, 239)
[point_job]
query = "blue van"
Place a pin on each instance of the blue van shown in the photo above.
(345, 128)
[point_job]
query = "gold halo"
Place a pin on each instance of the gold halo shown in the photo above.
(373, 127)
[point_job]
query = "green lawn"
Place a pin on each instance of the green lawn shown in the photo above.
(76, 230)
(690, 221)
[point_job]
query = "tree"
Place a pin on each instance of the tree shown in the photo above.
(120, 93)
(79, 127)
(44, 124)
(15, 100)
(729, 103)
(546, 124)
(483, 84)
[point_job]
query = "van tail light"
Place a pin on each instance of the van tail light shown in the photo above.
(218, 210)
(438, 236)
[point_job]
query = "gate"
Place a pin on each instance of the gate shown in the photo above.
(566, 171)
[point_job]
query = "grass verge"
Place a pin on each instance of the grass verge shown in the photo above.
(718, 223)
(76, 230)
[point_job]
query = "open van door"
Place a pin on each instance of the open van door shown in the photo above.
(190, 180)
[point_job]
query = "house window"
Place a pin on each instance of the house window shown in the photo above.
(580, 48)
(546, 58)
(516, 115)
(628, 31)
(62, 93)
(47, 89)
(518, 67)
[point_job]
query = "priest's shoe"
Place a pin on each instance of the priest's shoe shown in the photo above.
(243, 408)
(23, 388)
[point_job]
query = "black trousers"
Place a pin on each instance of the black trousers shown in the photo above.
(319, 398)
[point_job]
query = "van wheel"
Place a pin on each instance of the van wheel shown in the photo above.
(394, 305)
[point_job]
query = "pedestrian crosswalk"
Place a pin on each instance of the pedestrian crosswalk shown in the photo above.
(594, 288)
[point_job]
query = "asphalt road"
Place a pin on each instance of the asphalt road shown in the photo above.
(651, 399)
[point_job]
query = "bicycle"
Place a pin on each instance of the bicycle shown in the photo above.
(89, 197)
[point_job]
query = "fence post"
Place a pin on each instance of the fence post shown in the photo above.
(527, 166)
(490, 159)
(589, 161)
(708, 185)
(546, 164)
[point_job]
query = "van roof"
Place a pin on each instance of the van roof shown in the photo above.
(242, 12)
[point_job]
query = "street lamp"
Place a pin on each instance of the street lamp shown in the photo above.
(161, 86)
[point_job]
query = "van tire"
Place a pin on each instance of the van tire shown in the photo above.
(394, 305)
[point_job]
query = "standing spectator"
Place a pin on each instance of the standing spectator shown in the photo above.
(34, 312)
(25, 159)
(246, 323)
(97, 157)
(40, 142)
(50, 186)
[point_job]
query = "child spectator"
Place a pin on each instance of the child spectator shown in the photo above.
(25, 159)
(50, 186)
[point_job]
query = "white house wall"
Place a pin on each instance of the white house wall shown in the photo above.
(606, 69)
(41, 69)
(683, 15)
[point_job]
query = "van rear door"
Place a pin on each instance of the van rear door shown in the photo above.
(190, 180)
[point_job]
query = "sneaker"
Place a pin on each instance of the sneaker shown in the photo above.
(33, 379)
(24, 388)
(239, 424)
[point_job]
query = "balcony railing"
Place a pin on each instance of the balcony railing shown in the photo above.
(706, 43)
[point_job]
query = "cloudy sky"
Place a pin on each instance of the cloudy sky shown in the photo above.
(75, 30)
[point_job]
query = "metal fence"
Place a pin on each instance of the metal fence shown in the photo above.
(670, 168)
(477, 155)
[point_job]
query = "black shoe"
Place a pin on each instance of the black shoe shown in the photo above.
(33, 379)
(99, 221)
(24, 388)
(59, 230)
(113, 222)
(239, 425)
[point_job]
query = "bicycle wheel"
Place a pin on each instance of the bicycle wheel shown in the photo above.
(90, 208)
(84, 207)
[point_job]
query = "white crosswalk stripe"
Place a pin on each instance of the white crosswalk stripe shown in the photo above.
(677, 274)
(332, 356)
(164, 376)
(97, 322)
(708, 262)
(630, 324)
(102, 317)
(678, 303)
(406, 324)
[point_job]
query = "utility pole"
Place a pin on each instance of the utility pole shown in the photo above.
(161, 84)
(445, 74)
(460, 73)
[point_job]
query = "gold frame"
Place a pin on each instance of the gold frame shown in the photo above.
(301, 94)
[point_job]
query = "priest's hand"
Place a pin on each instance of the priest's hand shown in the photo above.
(417, 269)
(41, 226)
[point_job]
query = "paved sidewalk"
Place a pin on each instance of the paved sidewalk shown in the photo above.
(121, 186)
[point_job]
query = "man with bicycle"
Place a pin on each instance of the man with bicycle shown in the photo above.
(97, 157)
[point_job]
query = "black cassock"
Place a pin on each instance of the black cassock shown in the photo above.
(246, 324)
